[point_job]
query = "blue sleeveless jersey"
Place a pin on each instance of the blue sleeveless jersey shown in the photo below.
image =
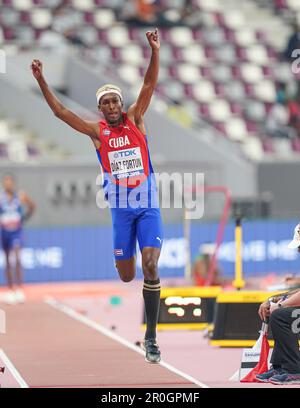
(11, 213)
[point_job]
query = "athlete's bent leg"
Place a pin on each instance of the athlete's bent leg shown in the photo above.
(124, 238)
(126, 269)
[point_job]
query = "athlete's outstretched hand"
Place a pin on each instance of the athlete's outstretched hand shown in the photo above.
(153, 39)
(37, 68)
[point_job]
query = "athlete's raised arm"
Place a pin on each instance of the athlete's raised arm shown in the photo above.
(59, 110)
(137, 110)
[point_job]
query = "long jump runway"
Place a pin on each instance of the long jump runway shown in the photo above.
(48, 344)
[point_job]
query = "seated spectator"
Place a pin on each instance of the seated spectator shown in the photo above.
(53, 41)
(149, 13)
(191, 14)
(63, 31)
(293, 43)
(139, 13)
(283, 311)
(67, 23)
(294, 113)
(291, 280)
(281, 92)
(201, 266)
(277, 122)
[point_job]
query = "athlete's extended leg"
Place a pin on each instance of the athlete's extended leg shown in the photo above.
(126, 269)
(151, 294)
(19, 294)
(19, 273)
(9, 297)
(150, 236)
(8, 269)
(151, 289)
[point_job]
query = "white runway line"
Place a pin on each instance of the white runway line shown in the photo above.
(96, 326)
(15, 373)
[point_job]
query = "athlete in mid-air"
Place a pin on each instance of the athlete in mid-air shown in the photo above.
(129, 185)
(15, 208)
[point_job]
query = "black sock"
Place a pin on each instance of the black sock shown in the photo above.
(151, 294)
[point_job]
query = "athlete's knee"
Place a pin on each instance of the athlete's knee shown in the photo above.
(126, 269)
(18, 262)
(126, 278)
(150, 268)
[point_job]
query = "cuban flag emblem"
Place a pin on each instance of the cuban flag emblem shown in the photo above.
(106, 132)
(118, 252)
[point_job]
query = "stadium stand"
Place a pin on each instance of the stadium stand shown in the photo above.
(19, 145)
(213, 65)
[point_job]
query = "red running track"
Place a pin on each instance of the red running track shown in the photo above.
(49, 348)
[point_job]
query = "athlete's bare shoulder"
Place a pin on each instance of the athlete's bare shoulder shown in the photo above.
(95, 134)
(130, 112)
(138, 121)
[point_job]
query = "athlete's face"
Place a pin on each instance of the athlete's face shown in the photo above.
(8, 184)
(111, 107)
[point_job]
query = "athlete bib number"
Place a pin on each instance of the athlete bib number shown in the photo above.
(10, 220)
(126, 163)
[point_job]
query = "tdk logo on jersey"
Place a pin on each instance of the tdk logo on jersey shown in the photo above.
(106, 132)
(125, 153)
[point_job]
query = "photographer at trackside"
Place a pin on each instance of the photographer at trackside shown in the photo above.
(283, 312)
